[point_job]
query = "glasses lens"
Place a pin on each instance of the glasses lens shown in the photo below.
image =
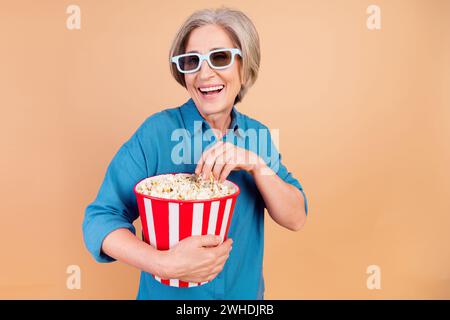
(221, 58)
(188, 63)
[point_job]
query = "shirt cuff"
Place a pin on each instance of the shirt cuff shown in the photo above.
(95, 233)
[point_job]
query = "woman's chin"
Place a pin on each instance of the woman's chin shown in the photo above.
(212, 107)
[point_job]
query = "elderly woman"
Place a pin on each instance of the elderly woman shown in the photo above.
(216, 57)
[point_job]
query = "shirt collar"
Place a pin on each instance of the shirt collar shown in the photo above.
(190, 115)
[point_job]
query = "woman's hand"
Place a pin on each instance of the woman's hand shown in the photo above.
(224, 157)
(196, 258)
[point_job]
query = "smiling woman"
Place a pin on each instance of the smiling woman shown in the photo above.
(231, 29)
(215, 56)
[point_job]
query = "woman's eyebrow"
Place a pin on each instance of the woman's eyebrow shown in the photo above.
(195, 51)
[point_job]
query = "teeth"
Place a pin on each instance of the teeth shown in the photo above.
(211, 88)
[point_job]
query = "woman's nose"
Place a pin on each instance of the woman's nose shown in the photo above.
(205, 69)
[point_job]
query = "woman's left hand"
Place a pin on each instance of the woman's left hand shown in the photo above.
(224, 157)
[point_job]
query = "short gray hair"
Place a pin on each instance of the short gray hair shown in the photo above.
(241, 31)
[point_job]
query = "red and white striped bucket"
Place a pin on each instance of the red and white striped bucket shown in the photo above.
(165, 222)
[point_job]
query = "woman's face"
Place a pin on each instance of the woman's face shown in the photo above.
(203, 40)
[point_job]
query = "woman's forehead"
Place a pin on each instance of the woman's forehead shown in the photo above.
(207, 38)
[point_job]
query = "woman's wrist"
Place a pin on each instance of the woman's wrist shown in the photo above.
(259, 167)
(161, 265)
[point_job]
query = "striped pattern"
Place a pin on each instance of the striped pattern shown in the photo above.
(165, 223)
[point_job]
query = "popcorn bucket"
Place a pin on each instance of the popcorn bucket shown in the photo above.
(165, 222)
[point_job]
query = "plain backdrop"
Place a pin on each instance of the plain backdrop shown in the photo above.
(363, 118)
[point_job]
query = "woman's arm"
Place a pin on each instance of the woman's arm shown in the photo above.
(124, 246)
(195, 259)
(284, 202)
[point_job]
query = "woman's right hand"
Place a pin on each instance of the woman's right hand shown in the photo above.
(196, 258)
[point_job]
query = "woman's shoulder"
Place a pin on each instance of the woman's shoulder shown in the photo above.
(156, 126)
(251, 123)
(163, 119)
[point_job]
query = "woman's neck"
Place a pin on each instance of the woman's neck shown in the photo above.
(219, 122)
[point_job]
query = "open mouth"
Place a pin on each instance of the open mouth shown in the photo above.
(211, 91)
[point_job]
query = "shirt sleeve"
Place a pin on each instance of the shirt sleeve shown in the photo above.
(273, 159)
(115, 206)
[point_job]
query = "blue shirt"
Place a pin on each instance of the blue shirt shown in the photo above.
(172, 141)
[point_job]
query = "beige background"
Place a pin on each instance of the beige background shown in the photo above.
(363, 118)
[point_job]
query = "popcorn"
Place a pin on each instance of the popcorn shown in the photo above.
(184, 186)
(167, 218)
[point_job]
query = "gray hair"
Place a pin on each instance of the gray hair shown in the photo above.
(241, 31)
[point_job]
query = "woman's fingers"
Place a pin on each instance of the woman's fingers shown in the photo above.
(199, 257)
(205, 155)
(217, 157)
(229, 161)
(208, 240)
(224, 157)
(218, 266)
(219, 164)
(226, 171)
(209, 272)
